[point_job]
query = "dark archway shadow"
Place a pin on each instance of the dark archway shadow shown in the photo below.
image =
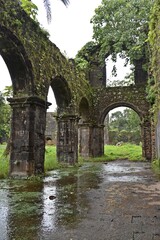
(17, 61)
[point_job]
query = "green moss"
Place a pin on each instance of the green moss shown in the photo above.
(154, 40)
(44, 58)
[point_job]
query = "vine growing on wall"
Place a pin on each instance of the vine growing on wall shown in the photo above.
(30, 8)
(154, 38)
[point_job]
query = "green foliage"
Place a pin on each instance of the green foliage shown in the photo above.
(121, 26)
(126, 151)
(50, 159)
(84, 56)
(5, 116)
(8, 92)
(156, 166)
(4, 163)
(154, 40)
(124, 126)
(30, 8)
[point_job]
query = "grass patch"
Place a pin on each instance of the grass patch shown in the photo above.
(126, 151)
(156, 166)
(50, 159)
(4, 163)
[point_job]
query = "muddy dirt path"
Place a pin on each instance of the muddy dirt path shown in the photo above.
(115, 201)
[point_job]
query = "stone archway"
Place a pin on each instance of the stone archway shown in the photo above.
(67, 122)
(145, 126)
(22, 134)
(84, 128)
(62, 93)
(17, 61)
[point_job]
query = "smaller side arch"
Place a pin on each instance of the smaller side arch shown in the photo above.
(84, 109)
(61, 91)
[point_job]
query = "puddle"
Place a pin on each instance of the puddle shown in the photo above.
(124, 179)
(33, 208)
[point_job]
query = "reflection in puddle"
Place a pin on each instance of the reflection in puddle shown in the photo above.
(124, 179)
(58, 200)
(116, 167)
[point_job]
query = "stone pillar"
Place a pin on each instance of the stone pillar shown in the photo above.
(67, 139)
(91, 140)
(27, 142)
(146, 139)
(84, 140)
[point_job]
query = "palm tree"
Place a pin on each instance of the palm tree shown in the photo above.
(48, 8)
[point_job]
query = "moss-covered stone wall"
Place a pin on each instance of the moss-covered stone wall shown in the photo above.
(33, 61)
(154, 88)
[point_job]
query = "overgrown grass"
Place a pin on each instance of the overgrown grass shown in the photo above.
(126, 151)
(4, 163)
(50, 158)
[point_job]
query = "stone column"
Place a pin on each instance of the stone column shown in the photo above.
(146, 139)
(27, 142)
(84, 140)
(91, 140)
(67, 139)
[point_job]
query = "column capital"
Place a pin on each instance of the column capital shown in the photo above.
(68, 117)
(29, 100)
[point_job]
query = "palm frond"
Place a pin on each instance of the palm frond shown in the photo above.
(66, 2)
(47, 6)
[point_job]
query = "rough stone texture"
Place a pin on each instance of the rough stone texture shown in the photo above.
(106, 99)
(91, 140)
(67, 139)
(27, 136)
(51, 128)
(35, 64)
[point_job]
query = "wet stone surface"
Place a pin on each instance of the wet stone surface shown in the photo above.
(115, 201)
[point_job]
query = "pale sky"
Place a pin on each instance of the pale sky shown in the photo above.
(70, 30)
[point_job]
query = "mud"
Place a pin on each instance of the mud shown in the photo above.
(115, 201)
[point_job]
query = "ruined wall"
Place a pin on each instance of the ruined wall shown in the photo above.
(38, 60)
(154, 84)
(109, 98)
(51, 128)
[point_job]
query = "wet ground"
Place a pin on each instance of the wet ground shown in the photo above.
(115, 201)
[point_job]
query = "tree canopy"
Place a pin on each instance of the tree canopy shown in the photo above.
(121, 26)
(5, 115)
(124, 126)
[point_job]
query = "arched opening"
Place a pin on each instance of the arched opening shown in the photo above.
(16, 71)
(84, 129)
(61, 92)
(5, 109)
(84, 110)
(60, 122)
(122, 127)
(18, 64)
(51, 125)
